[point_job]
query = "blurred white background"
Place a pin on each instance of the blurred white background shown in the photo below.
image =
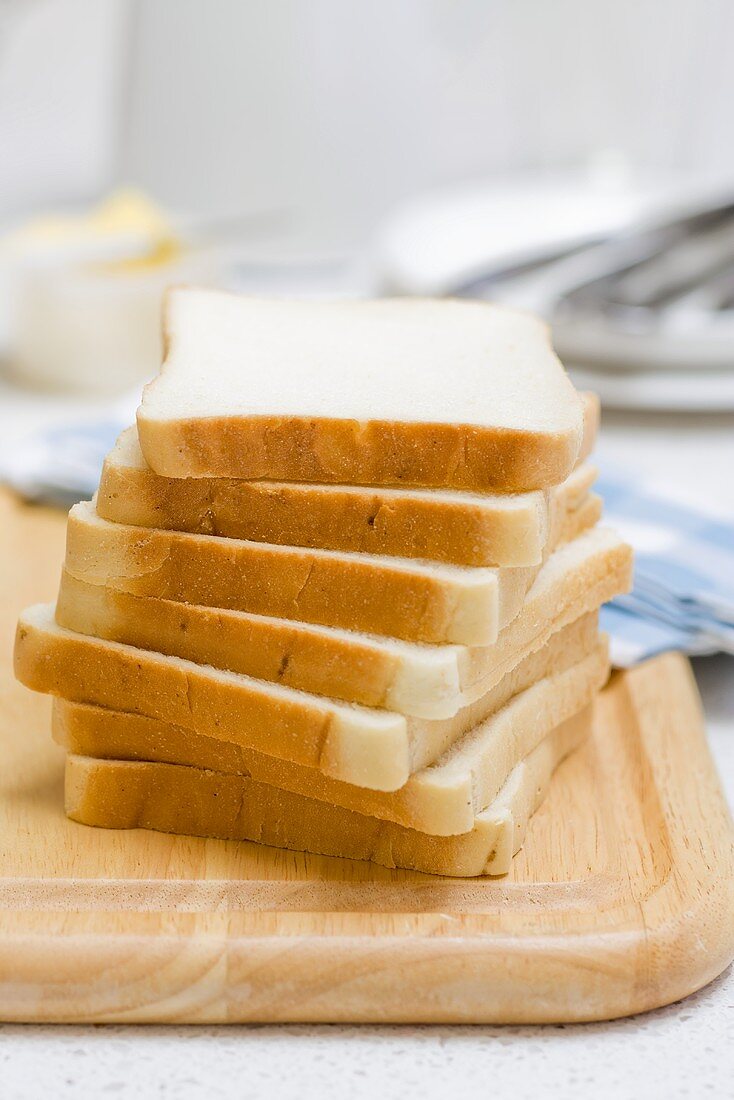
(330, 111)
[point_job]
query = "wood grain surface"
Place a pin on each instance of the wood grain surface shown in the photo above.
(622, 899)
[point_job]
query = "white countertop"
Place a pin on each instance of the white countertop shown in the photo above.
(685, 1050)
(681, 1051)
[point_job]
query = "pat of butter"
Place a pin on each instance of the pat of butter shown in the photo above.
(125, 234)
(84, 294)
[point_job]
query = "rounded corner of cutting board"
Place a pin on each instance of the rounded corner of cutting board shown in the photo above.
(617, 974)
(688, 952)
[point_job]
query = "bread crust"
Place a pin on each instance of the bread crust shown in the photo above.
(367, 747)
(442, 799)
(460, 528)
(352, 452)
(399, 598)
(124, 795)
(411, 679)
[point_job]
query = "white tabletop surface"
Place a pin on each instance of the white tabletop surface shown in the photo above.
(685, 1050)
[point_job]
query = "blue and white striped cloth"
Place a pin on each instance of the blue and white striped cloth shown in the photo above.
(683, 596)
(61, 464)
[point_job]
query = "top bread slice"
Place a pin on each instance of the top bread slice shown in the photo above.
(444, 394)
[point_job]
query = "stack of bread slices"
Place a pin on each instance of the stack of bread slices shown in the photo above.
(339, 589)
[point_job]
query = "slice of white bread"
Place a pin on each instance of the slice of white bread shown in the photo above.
(461, 528)
(443, 394)
(364, 746)
(441, 799)
(116, 794)
(420, 680)
(397, 597)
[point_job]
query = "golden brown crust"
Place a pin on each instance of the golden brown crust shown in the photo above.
(426, 802)
(353, 592)
(454, 531)
(370, 748)
(124, 795)
(268, 649)
(373, 595)
(300, 727)
(372, 452)
(343, 665)
(464, 529)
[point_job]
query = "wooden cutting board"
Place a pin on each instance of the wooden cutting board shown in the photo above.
(622, 899)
